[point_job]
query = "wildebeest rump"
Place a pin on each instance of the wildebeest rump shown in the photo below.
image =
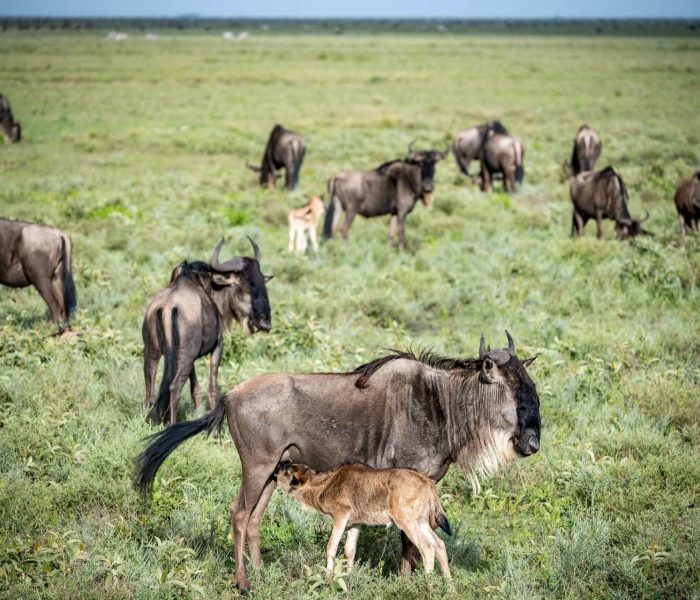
(41, 256)
(393, 189)
(587, 148)
(469, 144)
(421, 412)
(284, 150)
(187, 320)
(687, 201)
(602, 195)
(502, 154)
(11, 129)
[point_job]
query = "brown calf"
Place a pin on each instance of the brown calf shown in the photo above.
(355, 495)
(302, 220)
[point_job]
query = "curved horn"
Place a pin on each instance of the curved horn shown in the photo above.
(511, 344)
(646, 218)
(214, 259)
(482, 347)
(410, 146)
(446, 151)
(256, 249)
(253, 167)
(235, 264)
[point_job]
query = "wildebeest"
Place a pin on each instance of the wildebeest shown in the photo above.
(421, 412)
(602, 195)
(687, 200)
(468, 144)
(587, 147)
(284, 150)
(187, 320)
(502, 154)
(354, 495)
(11, 129)
(41, 256)
(393, 188)
(302, 220)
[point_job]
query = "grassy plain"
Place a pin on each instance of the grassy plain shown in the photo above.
(137, 151)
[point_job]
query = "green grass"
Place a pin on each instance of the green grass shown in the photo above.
(137, 150)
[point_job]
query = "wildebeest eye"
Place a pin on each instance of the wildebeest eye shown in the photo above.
(294, 480)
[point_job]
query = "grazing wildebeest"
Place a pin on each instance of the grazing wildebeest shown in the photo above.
(393, 188)
(284, 150)
(587, 147)
(420, 412)
(687, 200)
(502, 154)
(11, 129)
(468, 144)
(41, 256)
(354, 495)
(187, 320)
(602, 195)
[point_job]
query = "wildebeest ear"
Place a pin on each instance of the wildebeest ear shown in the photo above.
(486, 367)
(223, 279)
(267, 277)
(528, 361)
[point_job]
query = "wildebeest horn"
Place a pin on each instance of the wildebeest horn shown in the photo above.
(253, 167)
(256, 249)
(482, 347)
(444, 153)
(410, 147)
(511, 344)
(214, 260)
(235, 264)
(646, 218)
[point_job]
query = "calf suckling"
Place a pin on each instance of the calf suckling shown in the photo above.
(354, 495)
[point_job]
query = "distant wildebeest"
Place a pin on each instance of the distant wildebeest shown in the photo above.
(41, 256)
(393, 189)
(421, 412)
(187, 320)
(502, 154)
(302, 220)
(284, 150)
(587, 147)
(354, 495)
(602, 195)
(469, 144)
(11, 129)
(688, 203)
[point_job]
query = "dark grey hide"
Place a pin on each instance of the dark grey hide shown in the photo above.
(11, 129)
(421, 412)
(504, 155)
(284, 150)
(469, 144)
(187, 320)
(687, 199)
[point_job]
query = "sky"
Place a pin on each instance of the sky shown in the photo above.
(357, 8)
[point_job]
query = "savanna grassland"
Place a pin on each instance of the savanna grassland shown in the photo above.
(137, 150)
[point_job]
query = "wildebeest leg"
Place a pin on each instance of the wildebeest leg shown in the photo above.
(509, 180)
(339, 524)
(351, 545)
(393, 229)
(485, 179)
(579, 223)
(213, 370)
(402, 230)
(253, 530)
(150, 367)
(58, 292)
(195, 390)
(292, 234)
(694, 225)
(45, 291)
(420, 540)
(441, 554)
(408, 554)
(599, 224)
(314, 238)
(681, 220)
(349, 216)
(181, 375)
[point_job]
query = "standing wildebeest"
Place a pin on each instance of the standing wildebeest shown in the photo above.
(420, 412)
(393, 188)
(41, 256)
(187, 320)
(11, 129)
(688, 203)
(286, 150)
(602, 195)
(587, 147)
(502, 154)
(468, 144)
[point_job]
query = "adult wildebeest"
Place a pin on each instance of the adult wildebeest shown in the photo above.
(602, 195)
(502, 154)
(187, 320)
(11, 129)
(41, 256)
(687, 200)
(421, 412)
(393, 188)
(468, 144)
(284, 150)
(587, 147)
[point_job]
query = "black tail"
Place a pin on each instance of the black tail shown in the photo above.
(161, 408)
(164, 442)
(575, 164)
(70, 296)
(328, 221)
(443, 523)
(519, 173)
(458, 160)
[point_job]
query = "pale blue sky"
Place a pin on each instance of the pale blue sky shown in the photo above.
(357, 8)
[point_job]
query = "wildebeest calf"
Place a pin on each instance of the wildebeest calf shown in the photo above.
(302, 220)
(687, 200)
(11, 129)
(355, 495)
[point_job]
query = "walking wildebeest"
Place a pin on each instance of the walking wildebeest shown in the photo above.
(602, 195)
(354, 495)
(502, 154)
(587, 147)
(393, 188)
(421, 412)
(187, 320)
(302, 220)
(687, 200)
(468, 144)
(11, 129)
(41, 256)
(284, 150)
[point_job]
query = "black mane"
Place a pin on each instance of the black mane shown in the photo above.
(385, 165)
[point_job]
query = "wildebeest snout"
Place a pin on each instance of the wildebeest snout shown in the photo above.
(528, 443)
(264, 324)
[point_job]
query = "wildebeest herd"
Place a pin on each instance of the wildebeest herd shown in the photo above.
(401, 411)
